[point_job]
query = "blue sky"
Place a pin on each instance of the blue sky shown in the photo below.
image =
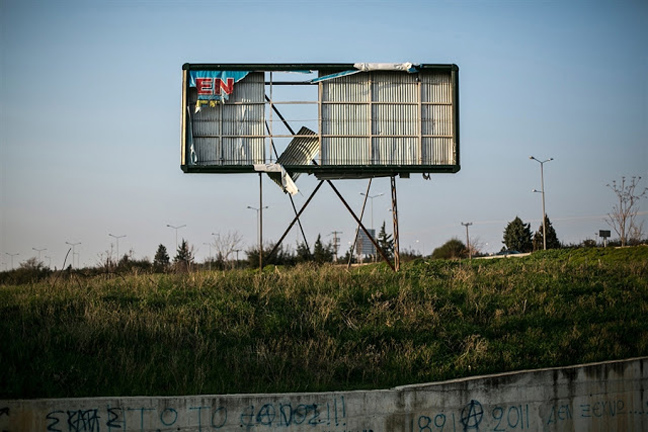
(90, 117)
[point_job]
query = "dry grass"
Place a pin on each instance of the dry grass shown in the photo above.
(320, 328)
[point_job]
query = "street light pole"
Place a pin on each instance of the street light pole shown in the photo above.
(116, 237)
(371, 197)
(259, 211)
(467, 224)
(74, 245)
(542, 191)
(176, 228)
(210, 254)
(39, 252)
(12, 255)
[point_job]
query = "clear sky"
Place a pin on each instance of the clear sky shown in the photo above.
(90, 118)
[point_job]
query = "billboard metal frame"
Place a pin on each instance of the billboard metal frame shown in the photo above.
(329, 171)
(299, 156)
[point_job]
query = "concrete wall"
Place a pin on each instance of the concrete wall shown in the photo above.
(609, 396)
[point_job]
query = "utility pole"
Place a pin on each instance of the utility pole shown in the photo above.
(467, 224)
(336, 243)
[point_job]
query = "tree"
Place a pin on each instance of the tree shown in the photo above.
(129, 263)
(161, 260)
(302, 254)
(452, 249)
(32, 265)
(623, 218)
(409, 254)
(280, 257)
(184, 257)
(476, 246)
(552, 238)
(226, 244)
(29, 271)
(322, 253)
(385, 241)
(349, 257)
(517, 236)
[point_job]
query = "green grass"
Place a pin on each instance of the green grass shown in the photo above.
(320, 328)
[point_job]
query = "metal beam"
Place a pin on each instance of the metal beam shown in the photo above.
(378, 248)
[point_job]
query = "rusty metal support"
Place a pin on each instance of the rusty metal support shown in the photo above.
(292, 201)
(378, 248)
(260, 221)
(373, 240)
(364, 205)
(395, 220)
(284, 121)
(295, 219)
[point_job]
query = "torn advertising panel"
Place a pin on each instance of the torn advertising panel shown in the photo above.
(357, 120)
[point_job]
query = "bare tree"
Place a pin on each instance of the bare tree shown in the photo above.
(226, 244)
(476, 246)
(624, 214)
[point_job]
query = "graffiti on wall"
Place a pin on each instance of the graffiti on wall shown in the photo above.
(332, 416)
(328, 415)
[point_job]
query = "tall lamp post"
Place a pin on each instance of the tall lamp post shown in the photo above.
(12, 255)
(176, 228)
(74, 245)
(210, 254)
(116, 237)
(371, 197)
(542, 191)
(467, 224)
(39, 252)
(259, 212)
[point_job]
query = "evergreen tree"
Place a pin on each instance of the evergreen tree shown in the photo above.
(385, 241)
(184, 257)
(280, 257)
(552, 238)
(517, 236)
(161, 261)
(322, 253)
(303, 254)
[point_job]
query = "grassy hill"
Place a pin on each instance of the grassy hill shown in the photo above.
(320, 328)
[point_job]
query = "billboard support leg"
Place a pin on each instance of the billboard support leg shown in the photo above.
(292, 201)
(355, 239)
(378, 248)
(395, 217)
(295, 219)
(260, 222)
(373, 240)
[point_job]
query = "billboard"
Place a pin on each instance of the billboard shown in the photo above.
(338, 120)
